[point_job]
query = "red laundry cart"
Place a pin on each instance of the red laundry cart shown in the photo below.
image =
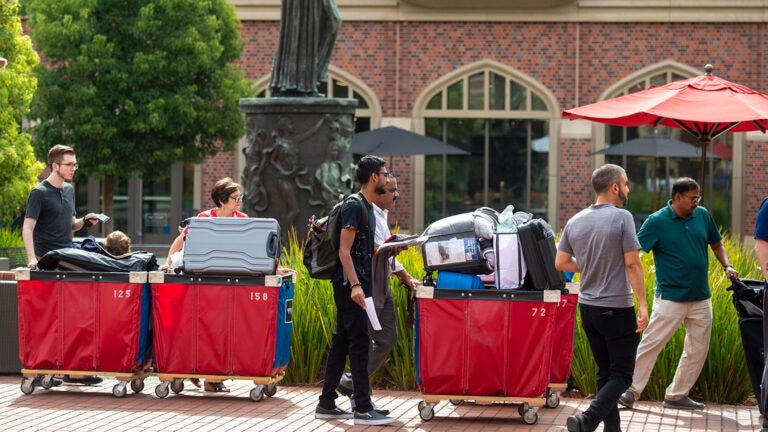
(484, 345)
(562, 349)
(220, 328)
(84, 324)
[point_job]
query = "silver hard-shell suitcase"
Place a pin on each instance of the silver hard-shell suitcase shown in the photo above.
(231, 246)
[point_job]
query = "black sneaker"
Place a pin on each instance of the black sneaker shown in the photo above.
(330, 414)
(685, 403)
(372, 418)
(88, 381)
(382, 411)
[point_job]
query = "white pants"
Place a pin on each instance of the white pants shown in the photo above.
(666, 318)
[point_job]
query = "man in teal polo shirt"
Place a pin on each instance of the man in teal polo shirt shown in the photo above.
(679, 235)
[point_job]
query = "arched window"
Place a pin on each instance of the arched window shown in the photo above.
(504, 120)
(652, 177)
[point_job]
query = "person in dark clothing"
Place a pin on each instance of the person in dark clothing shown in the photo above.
(49, 222)
(351, 285)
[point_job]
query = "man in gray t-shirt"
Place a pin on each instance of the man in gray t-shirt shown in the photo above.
(600, 243)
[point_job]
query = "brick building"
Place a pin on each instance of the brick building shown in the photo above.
(492, 76)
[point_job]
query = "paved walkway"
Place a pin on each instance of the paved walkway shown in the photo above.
(77, 408)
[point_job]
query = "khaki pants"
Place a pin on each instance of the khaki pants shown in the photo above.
(666, 318)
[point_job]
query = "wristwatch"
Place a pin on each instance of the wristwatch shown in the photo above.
(727, 266)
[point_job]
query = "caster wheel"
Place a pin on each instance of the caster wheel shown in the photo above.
(427, 413)
(456, 402)
(119, 390)
(47, 381)
(270, 389)
(522, 409)
(177, 385)
(137, 385)
(421, 405)
(530, 417)
(161, 390)
(26, 385)
(553, 400)
(257, 394)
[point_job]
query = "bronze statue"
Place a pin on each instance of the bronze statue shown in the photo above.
(308, 29)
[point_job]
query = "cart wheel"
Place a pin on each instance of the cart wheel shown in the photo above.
(421, 405)
(456, 402)
(46, 381)
(177, 385)
(26, 385)
(522, 409)
(530, 417)
(161, 390)
(137, 385)
(257, 394)
(553, 400)
(426, 412)
(270, 389)
(119, 390)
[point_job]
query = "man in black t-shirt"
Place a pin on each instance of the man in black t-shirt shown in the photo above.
(50, 218)
(351, 285)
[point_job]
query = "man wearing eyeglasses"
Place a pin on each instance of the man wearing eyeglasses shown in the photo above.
(679, 235)
(50, 218)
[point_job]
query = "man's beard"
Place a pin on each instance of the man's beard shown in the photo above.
(623, 197)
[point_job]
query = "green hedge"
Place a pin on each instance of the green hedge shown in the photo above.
(723, 380)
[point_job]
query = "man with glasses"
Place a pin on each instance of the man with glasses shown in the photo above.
(50, 221)
(679, 235)
(351, 285)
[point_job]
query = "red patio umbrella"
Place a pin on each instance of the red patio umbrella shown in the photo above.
(705, 106)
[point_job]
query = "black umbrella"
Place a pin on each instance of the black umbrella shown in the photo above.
(394, 141)
(656, 146)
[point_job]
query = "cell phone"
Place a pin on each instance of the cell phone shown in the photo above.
(102, 217)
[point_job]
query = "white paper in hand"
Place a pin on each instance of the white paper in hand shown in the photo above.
(371, 310)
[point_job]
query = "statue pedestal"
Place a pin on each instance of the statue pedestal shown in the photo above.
(298, 157)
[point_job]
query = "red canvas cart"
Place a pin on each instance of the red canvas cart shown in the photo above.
(562, 348)
(221, 328)
(484, 345)
(84, 324)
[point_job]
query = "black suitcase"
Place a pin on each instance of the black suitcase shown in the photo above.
(537, 240)
(748, 297)
(453, 244)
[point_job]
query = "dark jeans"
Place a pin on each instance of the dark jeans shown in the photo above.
(349, 337)
(612, 338)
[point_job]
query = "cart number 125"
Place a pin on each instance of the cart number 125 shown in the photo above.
(538, 312)
(121, 293)
(259, 296)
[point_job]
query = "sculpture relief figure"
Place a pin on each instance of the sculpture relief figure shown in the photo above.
(308, 30)
(256, 200)
(332, 177)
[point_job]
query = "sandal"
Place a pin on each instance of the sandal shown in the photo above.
(196, 382)
(215, 387)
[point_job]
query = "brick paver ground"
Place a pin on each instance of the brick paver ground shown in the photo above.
(76, 408)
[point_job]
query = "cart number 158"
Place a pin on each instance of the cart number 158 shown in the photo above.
(538, 312)
(259, 296)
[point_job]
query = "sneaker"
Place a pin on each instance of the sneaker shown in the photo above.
(329, 414)
(685, 403)
(372, 418)
(627, 399)
(374, 407)
(345, 387)
(88, 381)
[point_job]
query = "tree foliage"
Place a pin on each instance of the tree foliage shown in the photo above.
(135, 85)
(18, 167)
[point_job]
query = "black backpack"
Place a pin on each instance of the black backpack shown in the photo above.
(321, 249)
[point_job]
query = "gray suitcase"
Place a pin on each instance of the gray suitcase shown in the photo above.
(231, 246)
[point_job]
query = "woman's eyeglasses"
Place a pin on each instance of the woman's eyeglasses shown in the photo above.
(238, 198)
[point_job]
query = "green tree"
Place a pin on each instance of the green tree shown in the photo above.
(18, 167)
(135, 85)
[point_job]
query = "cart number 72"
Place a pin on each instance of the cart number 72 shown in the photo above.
(538, 312)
